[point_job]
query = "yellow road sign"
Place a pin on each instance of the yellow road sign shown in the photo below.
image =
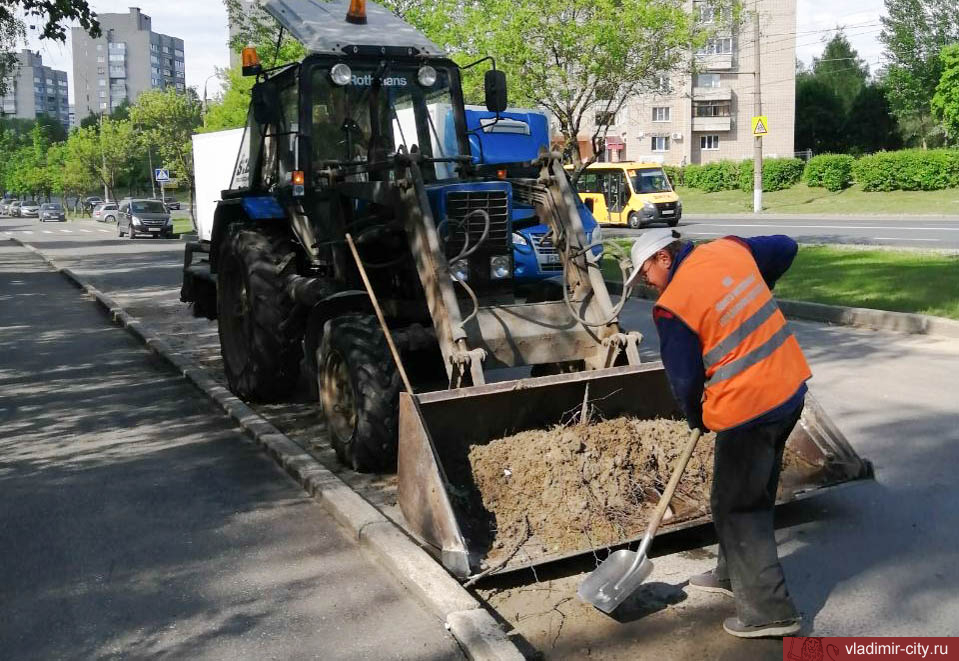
(760, 125)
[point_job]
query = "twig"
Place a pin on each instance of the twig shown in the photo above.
(502, 563)
(584, 412)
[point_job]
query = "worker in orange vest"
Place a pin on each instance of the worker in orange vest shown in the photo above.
(735, 369)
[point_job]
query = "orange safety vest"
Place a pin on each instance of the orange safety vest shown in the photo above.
(753, 363)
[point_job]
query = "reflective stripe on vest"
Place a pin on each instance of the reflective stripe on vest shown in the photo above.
(752, 362)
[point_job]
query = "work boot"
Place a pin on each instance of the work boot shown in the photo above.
(734, 627)
(709, 582)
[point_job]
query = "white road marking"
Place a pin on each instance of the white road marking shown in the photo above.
(104, 231)
(897, 238)
(841, 227)
(87, 231)
(47, 231)
(67, 231)
(28, 231)
(705, 233)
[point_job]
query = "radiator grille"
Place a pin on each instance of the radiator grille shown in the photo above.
(459, 204)
(544, 253)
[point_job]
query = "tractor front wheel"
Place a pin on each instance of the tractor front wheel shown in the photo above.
(359, 390)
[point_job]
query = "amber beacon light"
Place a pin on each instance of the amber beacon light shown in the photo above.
(251, 61)
(357, 12)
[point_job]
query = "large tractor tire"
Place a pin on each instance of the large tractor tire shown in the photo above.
(359, 390)
(260, 356)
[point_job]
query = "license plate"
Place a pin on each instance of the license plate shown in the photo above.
(667, 212)
(551, 259)
(154, 229)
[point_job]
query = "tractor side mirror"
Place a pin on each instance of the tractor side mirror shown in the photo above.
(264, 102)
(495, 84)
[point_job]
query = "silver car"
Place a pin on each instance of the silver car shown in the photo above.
(144, 217)
(30, 209)
(14, 209)
(52, 211)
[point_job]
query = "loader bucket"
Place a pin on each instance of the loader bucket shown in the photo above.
(444, 509)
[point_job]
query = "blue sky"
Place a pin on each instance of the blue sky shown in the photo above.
(202, 26)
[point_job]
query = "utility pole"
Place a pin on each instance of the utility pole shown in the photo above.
(153, 185)
(103, 157)
(757, 111)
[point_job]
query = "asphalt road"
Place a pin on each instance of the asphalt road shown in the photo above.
(876, 558)
(139, 522)
(938, 233)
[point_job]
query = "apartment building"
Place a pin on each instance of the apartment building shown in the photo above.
(36, 90)
(128, 59)
(706, 116)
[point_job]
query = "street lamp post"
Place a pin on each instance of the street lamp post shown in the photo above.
(205, 104)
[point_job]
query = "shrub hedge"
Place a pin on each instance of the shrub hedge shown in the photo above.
(830, 171)
(778, 173)
(713, 177)
(909, 169)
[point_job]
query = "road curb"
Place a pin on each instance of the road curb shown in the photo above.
(841, 315)
(475, 630)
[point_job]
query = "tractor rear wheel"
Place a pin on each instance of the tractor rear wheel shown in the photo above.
(260, 356)
(359, 390)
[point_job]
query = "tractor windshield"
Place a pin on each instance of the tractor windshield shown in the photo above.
(382, 108)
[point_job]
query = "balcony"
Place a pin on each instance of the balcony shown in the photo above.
(712, 94)
(712, 123)
(717, 62)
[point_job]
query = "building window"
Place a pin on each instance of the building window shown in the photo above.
(103, 94)
(709, 142)
(180, 87)
(721, 46)
(661, 114)
(662, 85)
(99, 47)
(154, 59)
(178, 52)
(102, 82)
(166, 49)
(178, 65)
(712, 108)
(154, 47)
(660, 144)
(101, 59)
(103, 105)
(707, 80)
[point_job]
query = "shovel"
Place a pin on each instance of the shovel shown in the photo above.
(621, 573)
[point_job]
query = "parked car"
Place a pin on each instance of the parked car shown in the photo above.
(102, 212)
(173, 204)
(52, 211)
(14, 209)
(90, 202)
(149, 217)
(30, 209)
(5, 206)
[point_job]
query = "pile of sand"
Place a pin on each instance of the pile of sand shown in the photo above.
(569, 488)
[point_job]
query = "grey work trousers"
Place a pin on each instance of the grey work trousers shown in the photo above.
(746, 470)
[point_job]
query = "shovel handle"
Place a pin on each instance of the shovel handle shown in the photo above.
(668, 493)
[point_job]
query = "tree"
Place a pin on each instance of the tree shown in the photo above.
(841, 69)
(575, 58)
(52, 15)
(819, 116)
(945, 103)
(870, 125)
(914, 32)
(106, 155)
(168, 120)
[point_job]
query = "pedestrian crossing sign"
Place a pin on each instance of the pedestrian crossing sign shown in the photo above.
(760, 125)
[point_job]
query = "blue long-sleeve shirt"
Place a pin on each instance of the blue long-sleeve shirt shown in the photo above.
(681, 350)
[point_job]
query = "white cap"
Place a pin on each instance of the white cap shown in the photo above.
(647, 245)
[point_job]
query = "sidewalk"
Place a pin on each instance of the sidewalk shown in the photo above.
(138, 521)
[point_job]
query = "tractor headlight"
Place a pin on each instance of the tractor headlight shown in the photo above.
(341, 74)
(460, 270)
(499, 267)
(426, 76)
(519, 239)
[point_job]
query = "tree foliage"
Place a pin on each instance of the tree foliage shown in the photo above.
(914, 32)
(167, 120)
(50, 15)
(841, 69)
(819, 116)
(870, 125)
(945, 103)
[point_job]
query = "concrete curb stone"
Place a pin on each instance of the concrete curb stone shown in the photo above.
(474, 629)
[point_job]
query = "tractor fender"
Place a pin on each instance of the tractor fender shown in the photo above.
(348, 300)
(251, 208)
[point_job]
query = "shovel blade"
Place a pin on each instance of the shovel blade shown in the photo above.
(608, 586)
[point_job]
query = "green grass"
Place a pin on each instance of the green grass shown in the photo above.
(803, 199)
(182, 225)
(899, 281)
